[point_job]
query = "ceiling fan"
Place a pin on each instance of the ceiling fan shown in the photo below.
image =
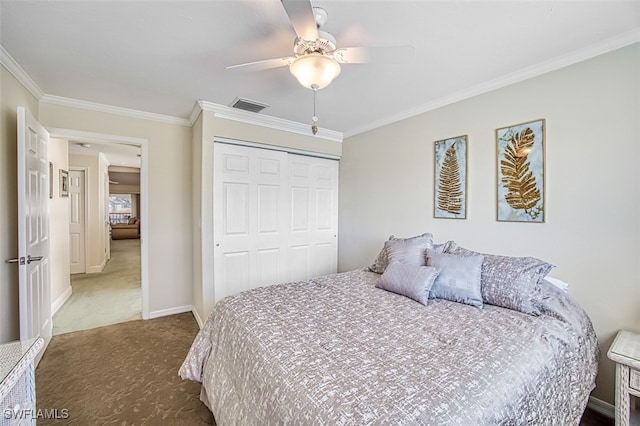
(316, 57)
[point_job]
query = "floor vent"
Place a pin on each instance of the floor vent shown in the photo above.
(248, 105)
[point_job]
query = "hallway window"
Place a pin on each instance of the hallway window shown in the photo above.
(119, 208)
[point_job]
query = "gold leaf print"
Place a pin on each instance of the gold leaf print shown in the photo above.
(517, 179)
(449, 185)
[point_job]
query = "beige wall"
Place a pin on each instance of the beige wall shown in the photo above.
(169, 240)
(12, 95)
(197, 226)
(592, 112)
(59, 214)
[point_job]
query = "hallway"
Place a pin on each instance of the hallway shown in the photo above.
(110, 297)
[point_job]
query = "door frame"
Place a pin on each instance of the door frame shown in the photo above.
(143, 143)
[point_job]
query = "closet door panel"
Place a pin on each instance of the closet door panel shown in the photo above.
(249, 218)
(317, 177)
(235, 198)
(234, 266)
(275, 217)
(268, 271)
(300, 256)
(300, 209)
(269, 220)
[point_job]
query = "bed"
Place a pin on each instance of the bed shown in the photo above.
(340, 350)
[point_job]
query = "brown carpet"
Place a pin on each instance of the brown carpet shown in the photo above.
(122, 374)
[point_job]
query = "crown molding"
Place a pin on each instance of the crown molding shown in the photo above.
(16, 70)
(220, 111)
(559, 62)
(109, 109)
(223, 111)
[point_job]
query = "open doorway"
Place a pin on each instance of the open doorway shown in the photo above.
(110, 286)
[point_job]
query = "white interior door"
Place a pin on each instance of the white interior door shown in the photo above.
(250, 213)
(275, 217)
(314, 216)
(33, 229)
(77, 221)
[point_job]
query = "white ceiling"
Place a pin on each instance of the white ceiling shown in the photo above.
(164, 56)
(117, 154)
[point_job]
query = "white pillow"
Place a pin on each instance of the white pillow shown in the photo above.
(558, 283)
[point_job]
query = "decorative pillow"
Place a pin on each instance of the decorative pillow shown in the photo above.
(510, 282)
(412, 281)
(404, 250)
(459, 279)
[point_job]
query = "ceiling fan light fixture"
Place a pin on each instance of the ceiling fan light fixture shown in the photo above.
(315, 69)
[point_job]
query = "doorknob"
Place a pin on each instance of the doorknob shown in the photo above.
(33, 259)
(20, 260)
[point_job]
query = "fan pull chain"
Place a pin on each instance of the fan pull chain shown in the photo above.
(314, 127)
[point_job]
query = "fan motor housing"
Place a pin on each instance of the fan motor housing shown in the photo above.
(325, 44)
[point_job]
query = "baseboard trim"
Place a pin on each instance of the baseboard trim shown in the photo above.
(170, 311)
(98, 268)
(604, 408)
(57, 304)
(194, 311)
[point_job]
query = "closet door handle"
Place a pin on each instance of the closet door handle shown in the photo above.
(34, 259)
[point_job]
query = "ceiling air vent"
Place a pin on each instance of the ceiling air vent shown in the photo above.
(248, 105)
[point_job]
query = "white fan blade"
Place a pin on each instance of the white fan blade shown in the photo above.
(301, 16)
(262, 65)
(381, 54)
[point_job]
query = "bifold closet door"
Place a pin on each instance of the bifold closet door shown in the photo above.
(275, 217)
(250, 218)
(314, 217)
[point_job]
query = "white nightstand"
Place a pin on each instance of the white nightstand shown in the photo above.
(625, 352)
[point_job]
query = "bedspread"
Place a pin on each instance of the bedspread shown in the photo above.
(338, 350)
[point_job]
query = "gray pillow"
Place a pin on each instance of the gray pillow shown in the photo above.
(412, 281)
(459, 279)
(510, 282)
(404, 250)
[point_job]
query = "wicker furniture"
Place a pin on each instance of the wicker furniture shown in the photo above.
(17, 389)
(625, 352)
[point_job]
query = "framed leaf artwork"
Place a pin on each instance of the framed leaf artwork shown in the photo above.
(450, 179)
(521, 172)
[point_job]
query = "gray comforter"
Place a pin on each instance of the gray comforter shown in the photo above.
(337, 350)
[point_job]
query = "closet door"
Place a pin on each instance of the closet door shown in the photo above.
(275, 217)
(251, 205)
(314, 216)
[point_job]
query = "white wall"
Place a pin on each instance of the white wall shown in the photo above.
(592, 112)
(12, 95)
(59, 253)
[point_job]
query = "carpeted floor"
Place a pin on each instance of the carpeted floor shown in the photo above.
(109, 297)
(122, 374)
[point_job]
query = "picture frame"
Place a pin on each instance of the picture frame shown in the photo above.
(64, 183)
(521, 172)
(450, 178)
